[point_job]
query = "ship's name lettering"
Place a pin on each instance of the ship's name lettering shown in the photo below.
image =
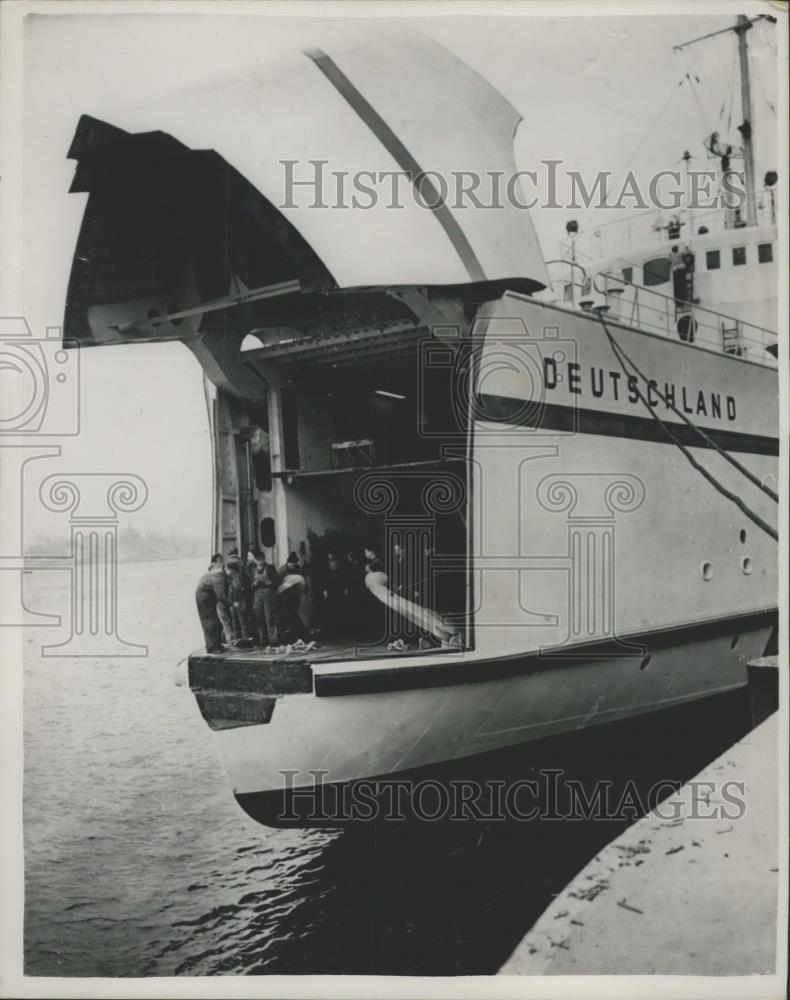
(600, 382)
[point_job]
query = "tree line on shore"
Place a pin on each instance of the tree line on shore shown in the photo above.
(133, 545)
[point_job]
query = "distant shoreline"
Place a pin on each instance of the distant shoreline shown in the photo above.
(132, 562)
(121, 562)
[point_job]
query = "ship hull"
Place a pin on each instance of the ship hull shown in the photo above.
(371, 723)
(542, 778)
(608, 576)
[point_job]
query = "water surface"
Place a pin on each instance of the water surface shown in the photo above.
(140, 863)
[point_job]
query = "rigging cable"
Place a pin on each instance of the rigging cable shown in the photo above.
(720, 487)
(768, 35)
(698, 75)
(703, 115)
(655, 122)
(708, 79)
(728, 98)
(764, 90)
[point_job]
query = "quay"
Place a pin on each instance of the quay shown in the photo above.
(680, 892)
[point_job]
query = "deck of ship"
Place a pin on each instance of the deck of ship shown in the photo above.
(329, 651)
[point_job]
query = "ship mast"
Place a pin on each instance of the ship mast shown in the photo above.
(741, 26)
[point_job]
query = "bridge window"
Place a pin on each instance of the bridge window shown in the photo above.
(628, 275)
(738, 255)
(657, 271)
(765, 252)
(713, 260)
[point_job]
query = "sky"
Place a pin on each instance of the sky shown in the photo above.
(598, 93)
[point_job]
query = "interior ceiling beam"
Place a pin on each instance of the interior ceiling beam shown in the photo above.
(361, 353)
(359, 339)
(226, 302)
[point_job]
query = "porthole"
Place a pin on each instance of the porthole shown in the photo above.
(686, 327)
(734, 641)
(746, 565)
(742, 536)
(645, 662)
(706, 570)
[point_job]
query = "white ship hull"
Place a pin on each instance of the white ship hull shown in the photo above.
(608, 577)
(337, 738)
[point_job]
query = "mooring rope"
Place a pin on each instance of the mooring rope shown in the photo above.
(705, 437)
(720, 487)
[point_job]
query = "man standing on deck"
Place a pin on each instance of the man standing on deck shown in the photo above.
(289, 599)
(678, 270)
(213, 606)
(240, 629)
(328, 590)
(264, 588)
(247, 572)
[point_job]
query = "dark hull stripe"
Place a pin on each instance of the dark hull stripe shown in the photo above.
(405, 160)
(570, 419)
(452, 671)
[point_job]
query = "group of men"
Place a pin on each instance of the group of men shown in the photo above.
(246, 601)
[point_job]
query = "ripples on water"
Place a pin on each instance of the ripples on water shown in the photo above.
(140, 863)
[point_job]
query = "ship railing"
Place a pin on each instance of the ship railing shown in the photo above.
(568, 279)
(683, 320)
(648, 230)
